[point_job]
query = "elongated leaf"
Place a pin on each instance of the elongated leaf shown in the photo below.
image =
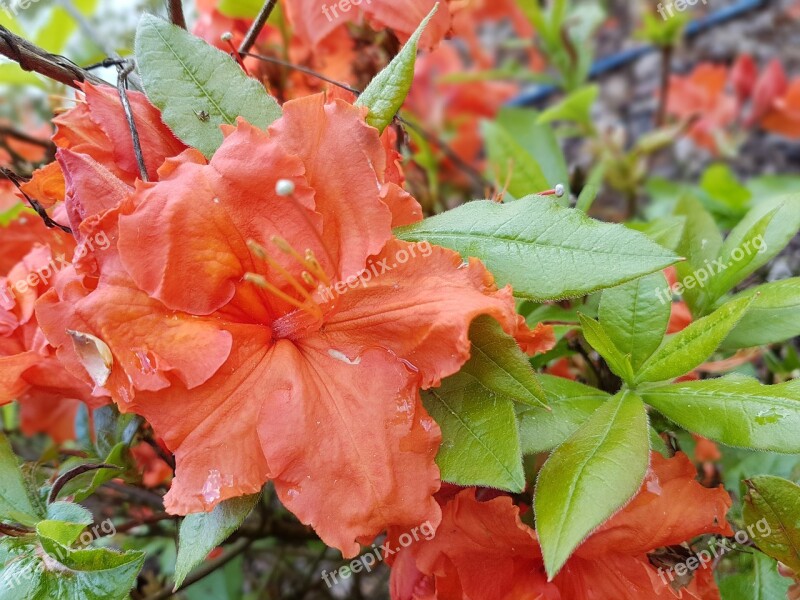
(386, 93)
(196, 86)
(15, 504)
(590, 476)
(736, 411)
(635, 316)
(691, 347)
(700, 245)
(544, 250)
(202, 532)
(599, 340)
(501, 367)
(511, 162)
(773, 317)
(480, 443)
(775, 501)
(571, 404)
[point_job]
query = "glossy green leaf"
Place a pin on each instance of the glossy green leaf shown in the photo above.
(777, 502)
(545, 251)
(590, 476)
(498, 363)
(480, 442)
(635, 316)
(65, 522)
(200, 533)
(599, 339)
(735, 410)
(571, 404)
(540, 142)
(386, 93)
(700, 244)
(509, 161)
(773, 317)
(15, 504)
(691, 347)
(184, 76)
(761, 582)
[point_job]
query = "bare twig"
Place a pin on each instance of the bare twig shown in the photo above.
(17, 181)
(150, 520)
(175, 11)
(32, 58)
(475, 175)
(301, 69)
(123, 72)
(24, 137)
(13, 530)
(257, 26)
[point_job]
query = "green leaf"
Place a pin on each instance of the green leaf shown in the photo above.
(691, 347)
(576, 107)
(501, 367)
(735, 410)
(592, 188)
(65, 522)
(571, 404)
(666, 231)
(777, 502)
(48, 570)
(545, 251)
(183, 76)
(700, 245)
(386, 93)
(773, 317)
(590, 477)
(15, 504)
(509, 161)
(480, 442)
(761, 582)
(540, 142)
(599, 340)
(635, 316)
(200, 533)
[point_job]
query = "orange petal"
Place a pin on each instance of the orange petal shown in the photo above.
(46, 186)
(418, 303)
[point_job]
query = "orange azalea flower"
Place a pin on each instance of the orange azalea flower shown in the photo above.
(98, 128)
(29, 370)
(154, 470)
(483, 550)
(701, 94)
(260, 315)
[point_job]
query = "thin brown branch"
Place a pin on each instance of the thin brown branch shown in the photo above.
(150, 520)
(13, 530)
(123, 72)
(175, 11)
(481, 182)
(28, 139)
(72, 474)
(257, 26)
(32, 58)
(34, 204)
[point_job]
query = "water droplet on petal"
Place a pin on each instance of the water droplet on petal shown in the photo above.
(212, 486)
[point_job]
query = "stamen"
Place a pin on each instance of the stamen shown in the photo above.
(306, 276)
(261, 253)
(261, 282)
(313, 265)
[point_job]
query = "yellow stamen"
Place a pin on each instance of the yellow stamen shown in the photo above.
(313, 265)
(261, 282)
(306, 276)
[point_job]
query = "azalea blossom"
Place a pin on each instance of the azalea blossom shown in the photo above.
(482, 549)
(207, 320)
